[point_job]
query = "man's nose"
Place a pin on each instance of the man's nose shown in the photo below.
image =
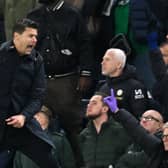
(34, 39)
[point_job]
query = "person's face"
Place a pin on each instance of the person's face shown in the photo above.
(109, 65)
(165, 139)
(164, 51)
(151, 121)
(26, 41)
(95, 107)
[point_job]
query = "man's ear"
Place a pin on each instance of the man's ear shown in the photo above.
(15, 35)
(105, 108)
(119, 65)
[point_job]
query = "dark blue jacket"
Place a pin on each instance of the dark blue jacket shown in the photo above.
(22, 86)
(142, 20)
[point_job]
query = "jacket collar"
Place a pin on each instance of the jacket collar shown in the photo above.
(128, 72)
(104, 125)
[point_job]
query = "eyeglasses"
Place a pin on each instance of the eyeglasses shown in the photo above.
(165, 136)
(149, 118)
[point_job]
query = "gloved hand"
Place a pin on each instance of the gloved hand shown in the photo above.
(152, 39)
(111, 102)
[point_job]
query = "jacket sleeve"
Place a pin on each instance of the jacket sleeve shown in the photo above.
(149, 143)
(37, 95)
(85, 47)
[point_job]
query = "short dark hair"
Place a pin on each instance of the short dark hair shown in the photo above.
(100, 94)
(24, 23)
(103, 94)
(163, 43)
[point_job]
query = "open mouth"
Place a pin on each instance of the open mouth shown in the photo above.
(30, 46)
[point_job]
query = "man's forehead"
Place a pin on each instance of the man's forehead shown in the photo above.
(109, 54)
(96, 98)
(152, 113)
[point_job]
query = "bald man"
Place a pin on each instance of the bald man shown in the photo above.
(130, 92)
(152, 121)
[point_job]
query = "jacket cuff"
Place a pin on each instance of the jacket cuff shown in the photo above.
(28, 117)
(85, 73)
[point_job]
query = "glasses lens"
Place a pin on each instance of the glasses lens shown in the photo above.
(149, 118)
(165, 136)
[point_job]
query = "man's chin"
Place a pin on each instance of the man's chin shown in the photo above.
(92, 117)
(28, 52)
(104, 73)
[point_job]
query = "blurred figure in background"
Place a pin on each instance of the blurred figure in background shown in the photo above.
(62, 152)
(15, 10)
(64, 43)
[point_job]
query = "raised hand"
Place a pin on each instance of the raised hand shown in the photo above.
(111, 102)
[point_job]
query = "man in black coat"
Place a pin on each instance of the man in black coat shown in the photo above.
(129, 91)
(159, 62)
(22, 89)
(64, 44)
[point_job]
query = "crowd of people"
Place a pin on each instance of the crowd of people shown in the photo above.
(83, 84)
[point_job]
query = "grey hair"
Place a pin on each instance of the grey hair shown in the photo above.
(118, 54)
(165, 126)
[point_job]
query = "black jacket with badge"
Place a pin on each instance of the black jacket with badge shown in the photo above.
(63, 39)
(129, 91)
(22, 87)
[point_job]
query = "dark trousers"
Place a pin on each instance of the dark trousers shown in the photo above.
(64, 100)
(36, 149)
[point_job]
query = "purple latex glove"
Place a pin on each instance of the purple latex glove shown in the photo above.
(111, 102)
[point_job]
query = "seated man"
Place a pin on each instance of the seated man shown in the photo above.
(103, 141)
(154, 147)
(62, 151)
(135, 156)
